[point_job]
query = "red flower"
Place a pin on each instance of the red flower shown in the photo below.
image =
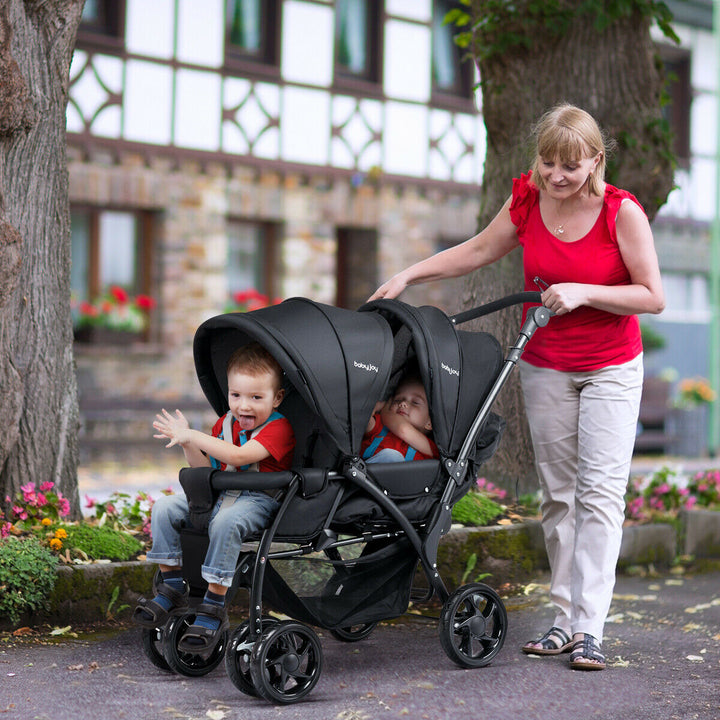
(119, 294)
(145, 302)
(88, 309)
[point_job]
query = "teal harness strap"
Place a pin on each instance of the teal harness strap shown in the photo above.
(227, 430)
(371, 449)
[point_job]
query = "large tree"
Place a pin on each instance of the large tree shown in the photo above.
(533, 54)
(38, 395)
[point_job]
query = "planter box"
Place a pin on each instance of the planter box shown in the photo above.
(701, 533)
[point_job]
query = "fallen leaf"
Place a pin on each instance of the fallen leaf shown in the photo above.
(215, 714)
(695, 658)
(22, 631)
(61, 630)
(75, 667)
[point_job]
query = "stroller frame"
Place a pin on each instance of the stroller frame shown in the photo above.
(282, 661)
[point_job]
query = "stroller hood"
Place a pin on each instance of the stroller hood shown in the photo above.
(338, 360)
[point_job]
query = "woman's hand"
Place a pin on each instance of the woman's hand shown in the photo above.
(174, 428)
(391, 289)
(563, 298)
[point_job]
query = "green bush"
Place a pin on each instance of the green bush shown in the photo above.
(101, 543)
(27, 576)
(475, 509)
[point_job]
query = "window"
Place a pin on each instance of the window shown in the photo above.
(251, 35)
(252, 257)
(357, 43)
(102, 24)
(687, 298)
(356, 266)
(679, 92)
(452, 72)
(110, 249)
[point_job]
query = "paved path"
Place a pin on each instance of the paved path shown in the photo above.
(662, 643)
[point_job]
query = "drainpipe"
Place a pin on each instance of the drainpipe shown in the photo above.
(714, 428)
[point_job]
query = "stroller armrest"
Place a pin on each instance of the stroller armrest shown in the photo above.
(232, 480)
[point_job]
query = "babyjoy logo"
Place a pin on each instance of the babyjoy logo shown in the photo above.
(451, 371)
(365, 366)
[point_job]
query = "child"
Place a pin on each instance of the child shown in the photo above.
(251, 435)
(400, 428)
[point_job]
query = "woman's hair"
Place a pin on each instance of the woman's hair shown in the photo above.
(254, 359)
(570, 134)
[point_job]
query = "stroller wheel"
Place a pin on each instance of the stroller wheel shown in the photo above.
(473, 625)
(286, 662)
(237, 658)
(353, 633)
(152, 641)
(189, 664)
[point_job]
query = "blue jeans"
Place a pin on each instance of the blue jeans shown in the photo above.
(250, 513)
(386, 455)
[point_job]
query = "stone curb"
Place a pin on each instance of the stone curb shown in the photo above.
(504, 554)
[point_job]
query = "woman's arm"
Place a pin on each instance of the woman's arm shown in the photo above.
(644, 294)
(489, 245)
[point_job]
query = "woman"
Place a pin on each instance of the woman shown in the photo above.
(588, 247)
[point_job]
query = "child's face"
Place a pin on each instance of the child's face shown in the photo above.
(252, 398)
(410, 401)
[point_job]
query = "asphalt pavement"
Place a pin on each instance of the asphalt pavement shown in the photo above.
(662, 645)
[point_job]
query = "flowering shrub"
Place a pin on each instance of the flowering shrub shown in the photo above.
(33, 505)
(492, 491)
(692, 392)
(116, 310)
(248, 300)
(122, 512)
(662, 495)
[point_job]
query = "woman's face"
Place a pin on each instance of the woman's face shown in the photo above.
(564, 179)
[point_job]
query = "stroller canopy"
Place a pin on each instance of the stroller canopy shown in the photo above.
(457, 368)
(338, 360)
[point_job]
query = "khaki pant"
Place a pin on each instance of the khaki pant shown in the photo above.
(583, 427)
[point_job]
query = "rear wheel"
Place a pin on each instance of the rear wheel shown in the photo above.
(353, 633)
(286, 662)
(473, 625)
(190, 664)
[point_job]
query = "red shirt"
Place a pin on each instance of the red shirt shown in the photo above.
(276, 437)
(587, 338)
(393, 442)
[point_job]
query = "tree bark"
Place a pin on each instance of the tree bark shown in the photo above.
(611, 73)
(38, 392)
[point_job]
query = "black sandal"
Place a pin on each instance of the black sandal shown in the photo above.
(201, 640)
(151, 614)
(589, 649)
(548, 642)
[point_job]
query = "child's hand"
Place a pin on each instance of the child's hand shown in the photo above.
(174, 428)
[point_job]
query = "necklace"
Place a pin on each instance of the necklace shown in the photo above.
(559, 230)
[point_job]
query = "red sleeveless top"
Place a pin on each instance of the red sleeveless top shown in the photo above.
(585, 339)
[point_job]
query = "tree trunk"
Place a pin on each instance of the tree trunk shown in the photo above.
(612, 74)
(38, 393)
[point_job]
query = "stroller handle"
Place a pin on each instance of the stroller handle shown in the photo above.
(491, 307)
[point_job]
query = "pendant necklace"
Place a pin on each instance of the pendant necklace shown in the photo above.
(559, 230)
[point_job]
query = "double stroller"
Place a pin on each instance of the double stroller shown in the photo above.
(343, 550)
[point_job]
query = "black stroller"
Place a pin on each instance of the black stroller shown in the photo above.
(350, 535)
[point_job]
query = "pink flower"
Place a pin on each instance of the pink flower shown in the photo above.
(63, 506)
(89, 502)
(4, 529)
(690, 503)
(47, 486)
(19, 512)
(110, 509)
(41, 499)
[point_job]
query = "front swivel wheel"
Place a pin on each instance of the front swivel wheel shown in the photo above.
(286, 662)
(473, 625)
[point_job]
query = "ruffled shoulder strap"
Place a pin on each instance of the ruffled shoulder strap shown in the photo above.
(613, 200)
(524, 197)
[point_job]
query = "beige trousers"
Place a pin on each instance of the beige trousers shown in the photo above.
(583, 427)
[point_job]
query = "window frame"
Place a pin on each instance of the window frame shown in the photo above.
(463, 97)
(111, 39)
(272, 233)
(146, 230)
(370, 82)
(265, 63)
(677, 62)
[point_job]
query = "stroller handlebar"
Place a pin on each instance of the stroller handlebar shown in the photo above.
(491, 307)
